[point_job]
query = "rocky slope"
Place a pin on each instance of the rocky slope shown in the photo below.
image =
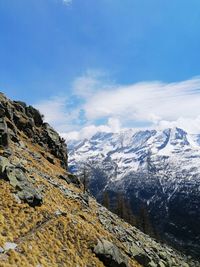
(160, 169)
(46, 219)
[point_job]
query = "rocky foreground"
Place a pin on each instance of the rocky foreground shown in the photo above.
(46, 219)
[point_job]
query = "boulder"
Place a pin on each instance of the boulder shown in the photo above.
(161, 264)
(4, 163)
(19, 106)
(7, 152)
(17, 118)
(35, 114)
(152, 264)
(20, 121)
(110, 255)
(3, 133)
(139, 255)
(74, 179)
(56, 144)
(9, 245)
(52, 134)
(65, 178)
(50, 159)
(25, 190)
(2, 111)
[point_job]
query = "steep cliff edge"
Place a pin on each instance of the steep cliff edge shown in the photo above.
(46, 219)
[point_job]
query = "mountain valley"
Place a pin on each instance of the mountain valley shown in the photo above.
(159, 169)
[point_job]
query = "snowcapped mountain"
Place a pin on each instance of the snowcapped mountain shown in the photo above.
(158, 168)
(162, 152)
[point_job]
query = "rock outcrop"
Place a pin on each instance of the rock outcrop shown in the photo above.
(17, 118)
(47, 219)
(110, 255)
(18, 179)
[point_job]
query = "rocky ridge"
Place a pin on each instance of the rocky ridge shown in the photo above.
(46, 219)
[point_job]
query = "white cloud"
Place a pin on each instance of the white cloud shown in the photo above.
(58, 113)
(90, 83)
(53, 109)
(112, 126)
(190, 125)
(67, 2)
(150, 101)
(152, 104)
(89, 131)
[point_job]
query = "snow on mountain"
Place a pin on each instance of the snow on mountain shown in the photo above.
(160, 168)
(131, 150)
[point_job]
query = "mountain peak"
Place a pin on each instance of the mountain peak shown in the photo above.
(177, 136)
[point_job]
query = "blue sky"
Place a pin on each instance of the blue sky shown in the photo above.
(62, 56)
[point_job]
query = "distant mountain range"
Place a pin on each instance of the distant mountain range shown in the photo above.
(160, 169)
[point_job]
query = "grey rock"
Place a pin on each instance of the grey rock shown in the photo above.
(110, 255)
(7, 152)
(141, 247)
(74, 179)
(2, 111)
(60, 213)
(139, 255)
(161, 264)
(52, 134)
(50, 159)
(9, 245)
(152, 264)
(163, 255)
(22, 145)
(65, 178)
(4, 137)
(17, 178)
(35, 114)
(20, 121)
(3, 125)
(36, 156)
(56, 144)
(85, 199)
(31, 196)
(16, 117)
(4, 163)
(21, 104)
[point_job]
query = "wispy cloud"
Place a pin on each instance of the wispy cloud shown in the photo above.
(67, 2)
(113, 125)
(105, 106)
(90, 83)
(149, 101)
(58, 112)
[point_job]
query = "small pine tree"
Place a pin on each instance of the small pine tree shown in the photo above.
(84, 179)
(144, 222)
(124, 210)
(106, 200)
(120, 205)
(130, 216)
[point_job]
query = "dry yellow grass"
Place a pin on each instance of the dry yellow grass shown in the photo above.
(43, 238)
